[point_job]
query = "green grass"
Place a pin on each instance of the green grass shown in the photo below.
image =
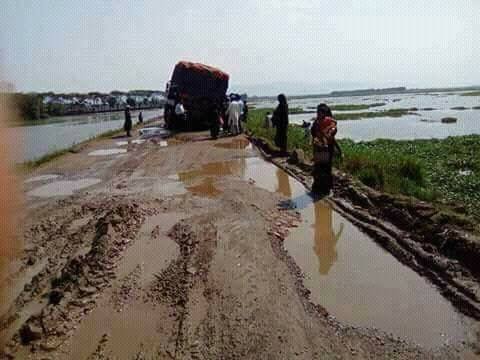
(429, 170)
(426, 169)
(28, 165)
(472, 93)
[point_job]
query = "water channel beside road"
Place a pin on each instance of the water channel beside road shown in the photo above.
(62, 132)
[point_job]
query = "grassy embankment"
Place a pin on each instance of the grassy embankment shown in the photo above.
(440, 171)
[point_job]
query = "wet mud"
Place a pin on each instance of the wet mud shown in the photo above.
(62, 188)
(183, 252)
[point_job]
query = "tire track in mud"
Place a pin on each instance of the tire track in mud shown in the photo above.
(196, 239)
(81, 263)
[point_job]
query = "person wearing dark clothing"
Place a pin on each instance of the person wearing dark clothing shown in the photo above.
(280, 122)
(323, 133)
(127, 126)
(214, 115)
(245, 112)
(140, 118)
(223, 114)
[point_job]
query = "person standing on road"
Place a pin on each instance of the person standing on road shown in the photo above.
(280, 122)
(180, 113)
(323, 132)
(214, 115)
(225, 104)
(242, 112)
(140, 118)
(127, 126)
(233, 113)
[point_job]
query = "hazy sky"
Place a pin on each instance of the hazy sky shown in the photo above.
(265, 45)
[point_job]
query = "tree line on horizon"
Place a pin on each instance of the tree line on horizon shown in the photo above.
(31, 106)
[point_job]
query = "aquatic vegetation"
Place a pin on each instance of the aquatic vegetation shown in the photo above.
(298, 110)
(449, 120)
(445, 171)
(373, 114)
(352, 116)
(441, 171)
(349, 107)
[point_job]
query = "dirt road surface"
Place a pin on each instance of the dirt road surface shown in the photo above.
(171, 249)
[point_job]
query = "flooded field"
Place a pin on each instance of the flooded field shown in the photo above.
(62, 132)
(424, 124)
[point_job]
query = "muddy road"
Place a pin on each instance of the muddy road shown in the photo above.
(187, 248)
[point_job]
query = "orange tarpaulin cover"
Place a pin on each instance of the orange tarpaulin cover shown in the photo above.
(204, 68)
(199, 80)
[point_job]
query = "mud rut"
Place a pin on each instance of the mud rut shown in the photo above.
(226, 290)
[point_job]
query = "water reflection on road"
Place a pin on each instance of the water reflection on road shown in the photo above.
(325, 237)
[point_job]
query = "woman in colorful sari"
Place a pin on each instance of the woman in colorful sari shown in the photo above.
(323, 132)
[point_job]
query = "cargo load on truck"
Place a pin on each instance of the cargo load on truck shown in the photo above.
(199, 88)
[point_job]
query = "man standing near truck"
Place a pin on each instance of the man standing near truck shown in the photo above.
(233, 113)
(180, 113)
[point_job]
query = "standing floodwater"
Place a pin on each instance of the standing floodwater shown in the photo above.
(62, 132)
(361, 284)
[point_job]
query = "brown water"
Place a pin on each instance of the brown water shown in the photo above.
(203, 181)
(138, 323)
(239, 144)
(346, 271)
(363, 285)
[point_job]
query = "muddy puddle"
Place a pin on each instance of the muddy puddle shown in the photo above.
(346, 271)
(62, 188)
(204, 181)
(153, 249)
(42, 178)
(128, 331)
(358, 282)
(106, 152)
(240, 144)
(131, 323)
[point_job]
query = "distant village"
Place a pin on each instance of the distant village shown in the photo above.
(35, 106)
(95, 101)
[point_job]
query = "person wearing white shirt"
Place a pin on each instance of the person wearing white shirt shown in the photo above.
(233, 113)
(180, 112)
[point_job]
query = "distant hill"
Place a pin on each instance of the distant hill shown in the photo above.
(369, 92)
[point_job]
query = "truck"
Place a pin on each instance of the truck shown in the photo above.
(201, 89)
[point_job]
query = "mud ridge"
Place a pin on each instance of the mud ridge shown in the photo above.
(71, 286)
(174, 284)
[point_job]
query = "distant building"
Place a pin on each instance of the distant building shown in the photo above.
(47, 100)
